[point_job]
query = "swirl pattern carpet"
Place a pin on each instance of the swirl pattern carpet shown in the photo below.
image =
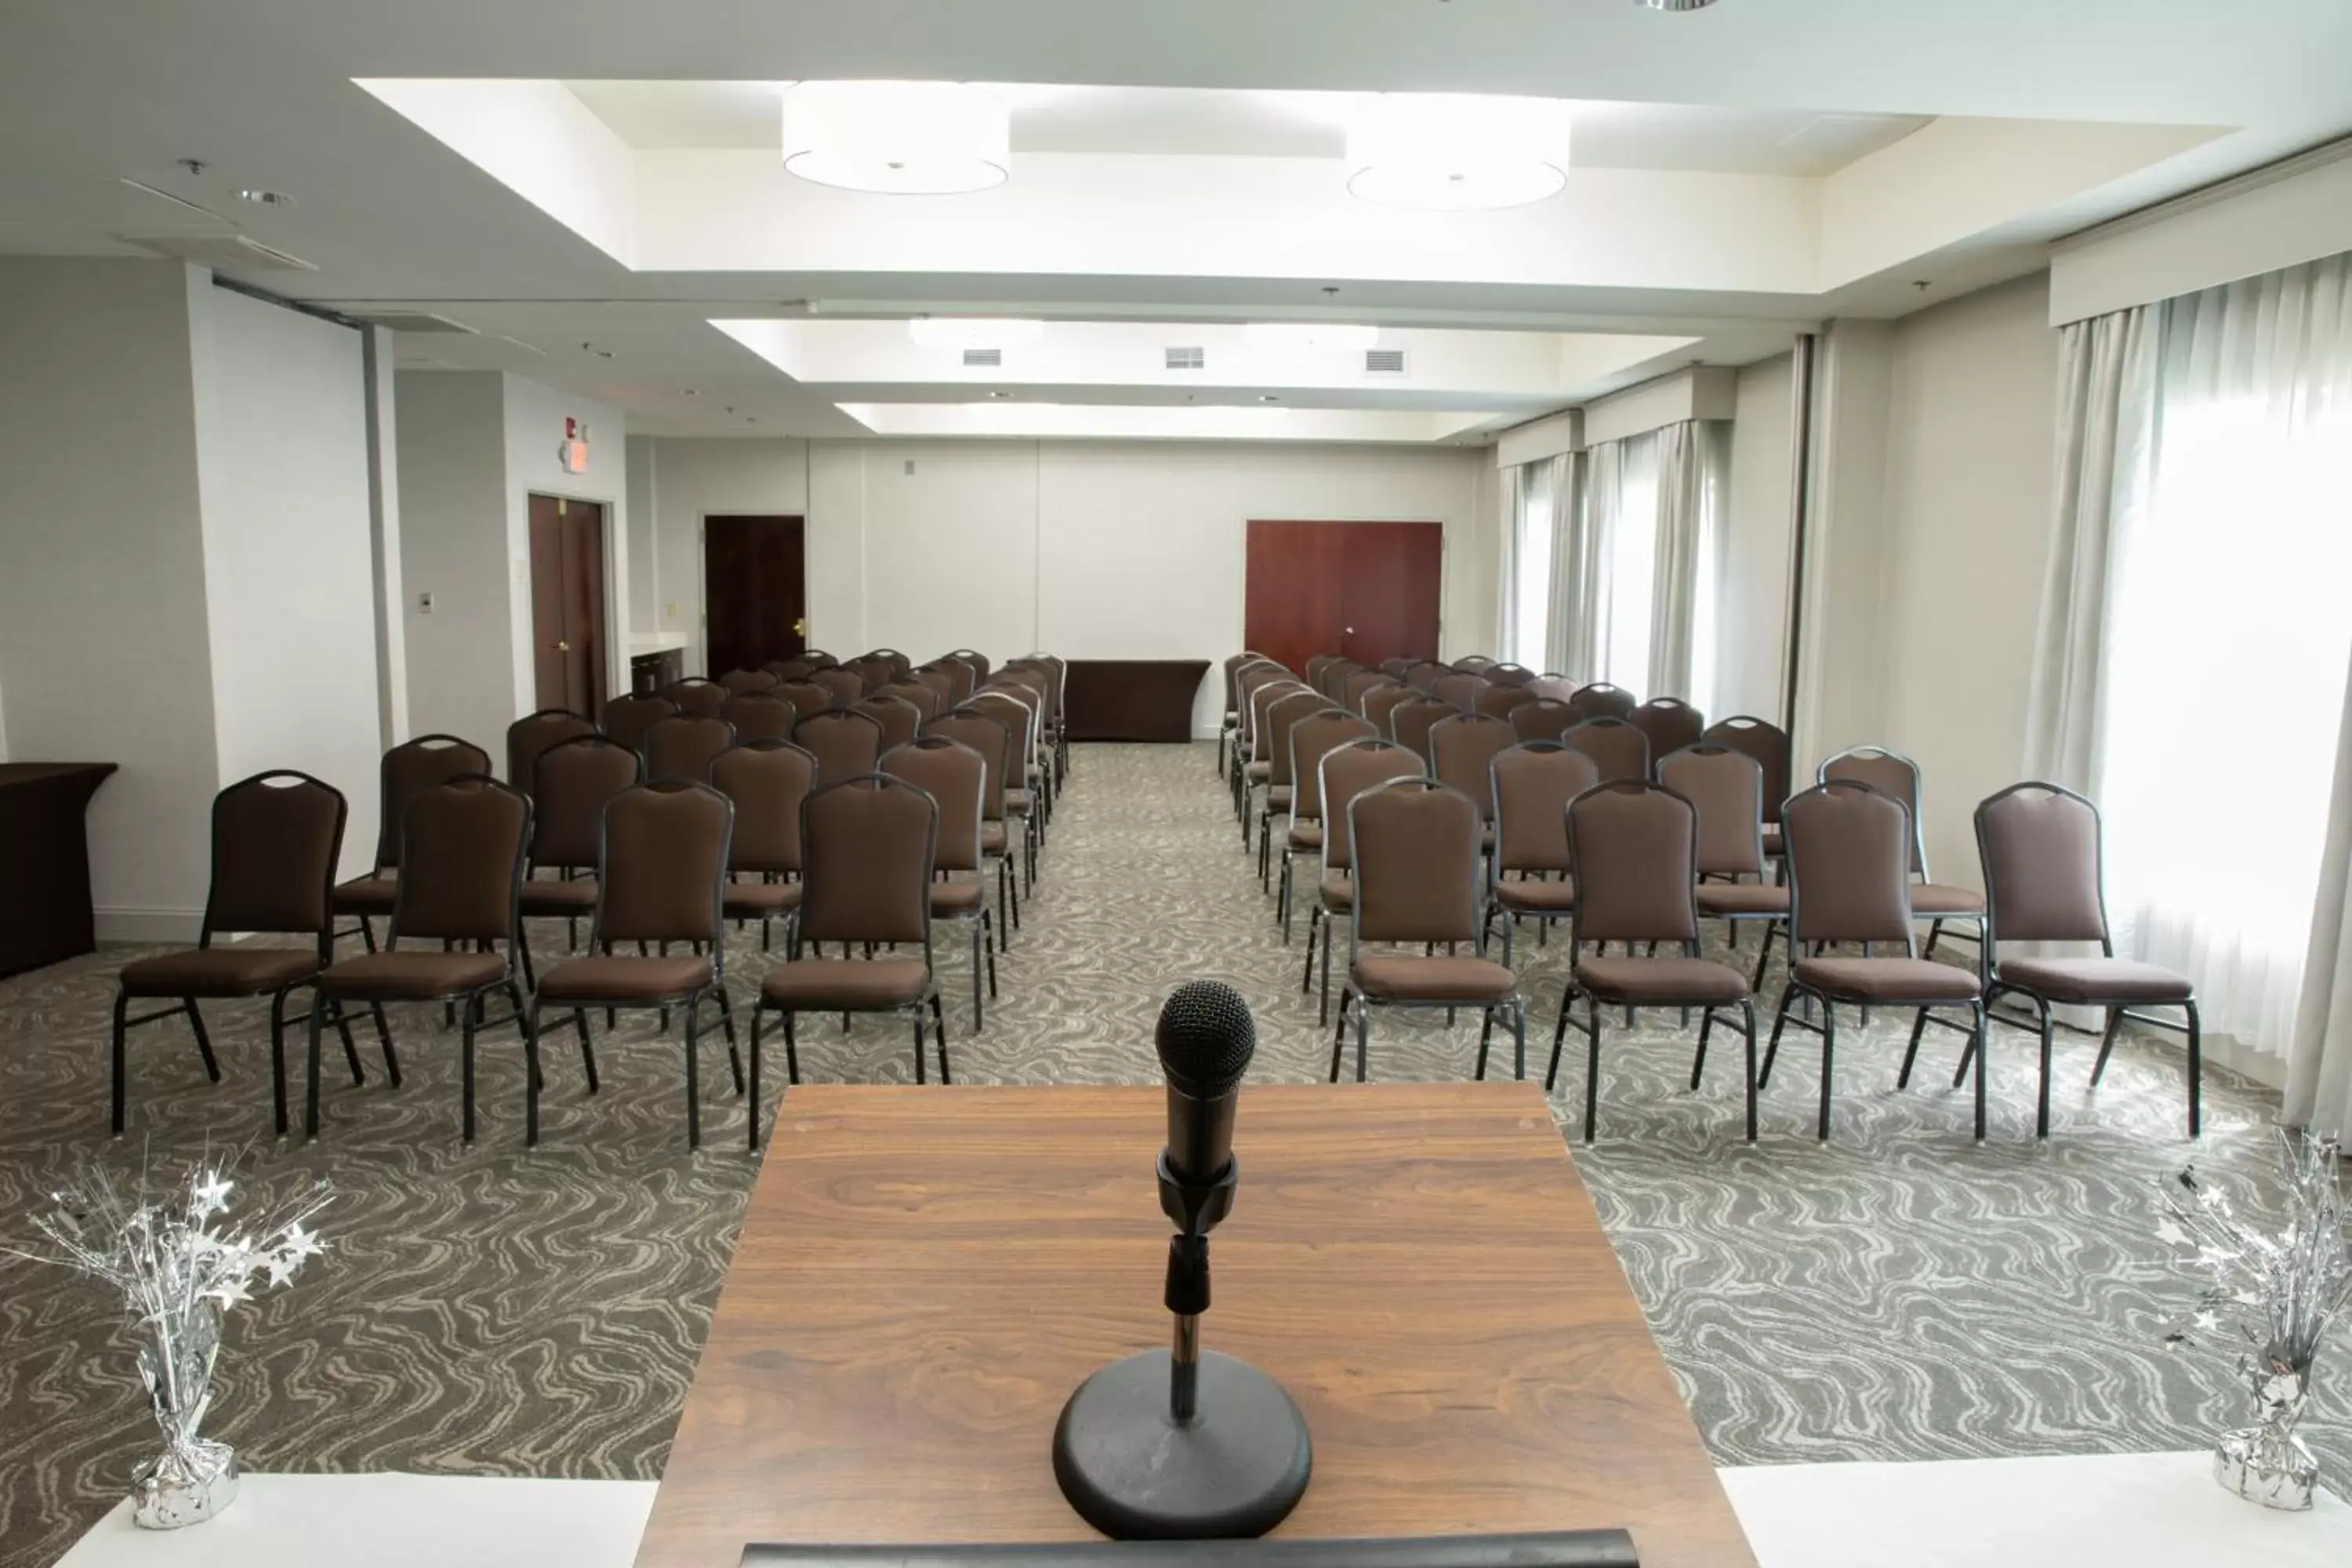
(1899, 1293)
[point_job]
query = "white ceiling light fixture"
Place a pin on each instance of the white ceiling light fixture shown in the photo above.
(1457, 151)
(1310, 337)
(973, 332)
(1676, 4)
(902, 138)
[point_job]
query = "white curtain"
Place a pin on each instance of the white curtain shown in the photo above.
(1568, 584)
(1693, 457)
(1506, 561)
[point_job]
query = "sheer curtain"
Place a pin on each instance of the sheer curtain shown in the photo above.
(1531, 540)
(1622, 537)
(1693, 459)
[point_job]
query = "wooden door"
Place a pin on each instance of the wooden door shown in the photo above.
(567, 602)
(754, 591)
(1368, 590)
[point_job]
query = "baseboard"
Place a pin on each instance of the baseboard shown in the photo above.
(148, 925)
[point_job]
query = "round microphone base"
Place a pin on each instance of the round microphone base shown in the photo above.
(1134, 1473)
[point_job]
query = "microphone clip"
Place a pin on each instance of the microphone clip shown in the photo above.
(1194, 1206)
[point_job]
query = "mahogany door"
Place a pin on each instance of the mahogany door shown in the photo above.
(1368, 590)
(567, 602)
(754, 591)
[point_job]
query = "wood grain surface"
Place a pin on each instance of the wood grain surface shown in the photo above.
(925, 1274)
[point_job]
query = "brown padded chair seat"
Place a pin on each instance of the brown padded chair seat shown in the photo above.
(758, 901)
(1307, 835)
(623, 978)
(1258, 773)
(1898, 980)
(1742, 899)
(1772, 841)
(547, 896)
(220, 972)
(992, 839)
(367, 896)
(2096, 979)
(1016, 802)
(1935, 898)
(413, 975)
(1410, 977)
(957, 898)
(1536, 898)
(1278, 798)
(823, 985)
(1667, 981)
(1338, 892)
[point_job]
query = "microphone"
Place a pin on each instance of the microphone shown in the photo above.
(1179, 1444)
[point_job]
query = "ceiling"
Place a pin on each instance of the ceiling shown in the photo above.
(601, 173)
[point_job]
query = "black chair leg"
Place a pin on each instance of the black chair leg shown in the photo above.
(1592, 1068)
(727, 1022)
(1339, 1035)
(1363, 1036)
(1519, 1040)
(2106, 1044)
(1486, 1033)
(350, 1047)
(1747, 1020)
(693, 1081)
(939, 1027)
(989, 928)
(792, 1054)
(122, 1026)
(1698, 1058)
(1763, 955)
(1911, 1053)
(976, 960)
(2042, 1097)
(532, 1077)
(2196, 1071)
(1772, 1050)
(204, 1042)
(466, 1056)
(1559, 1038)
(277, 1061)
(1307, 969)
(1829, 1060)
(922, 1071)
(1976, 1043)
(383, 1038)
(311, 1090)
(587, 1050)
(751, 1099)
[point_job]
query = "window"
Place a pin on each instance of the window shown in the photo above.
(1531, 586)
(1628, 545)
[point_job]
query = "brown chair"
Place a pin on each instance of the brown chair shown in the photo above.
(1475, 663)
(1020, 793)
(1726, 787)
(875, 671)
(1769, 744)
(1423, 676)
(1315, 665)
(696, 696)
(842, 686)
(1332, 679)
(1508, 674)
(789, 669)
(901, 720)
(1462, 690)
(1253, 765)
(661, 878)
(949, 682)
(1498, 701)
(900, 665)
(1311, 740)
(2043, 868)
(767, 779)
(532, 734)
(867, 847)
(1931, 900)
(1233, 699)
(744, 682)
(926, 700)
(1395, 667)
(979, 732)
(1532, 783)
(761, 716)
(1462, 753)
(1634, 846)
(627, 719)
(1849, 858)
(816, 658)
(1669, 722)
(276, 839)
(407, 768)
(1602, 700)
(1347, 772)
(844, 741)
(977, 661)
(955, 777)
(806, 697)
(681, 748)
(463, 847)
(1282, 717)
(1615, 746)
(567, 825)
(1543, 719)
(1361, 684)
(1411, 722)
(1383, 701)
(1415, 843)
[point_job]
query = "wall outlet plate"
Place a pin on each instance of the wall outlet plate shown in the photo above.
(425, 603)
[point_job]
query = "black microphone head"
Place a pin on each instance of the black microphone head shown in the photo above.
(1206, 1037)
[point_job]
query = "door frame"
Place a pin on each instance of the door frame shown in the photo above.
(1445, 527)
(616, 631)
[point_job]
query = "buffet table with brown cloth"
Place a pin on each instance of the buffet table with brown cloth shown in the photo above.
(1131, 698)
(45, 913)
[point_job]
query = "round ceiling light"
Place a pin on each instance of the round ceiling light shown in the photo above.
(1677, 4)
(1310, 337)
(973, 332)
(1457, 151)
(906, 137)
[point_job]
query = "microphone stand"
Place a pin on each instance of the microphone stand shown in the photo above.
(1194, 1206)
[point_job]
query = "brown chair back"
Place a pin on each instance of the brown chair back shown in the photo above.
(1416, 862)
(845, 743)
(1462, 690)
(976, 661)
(1670, 722)
(532, 734)
(983, 735)
(1282, 717)
(462, 850)
(901, 720)
(1620, 751)
(949, 682)
(1234, 667)
(1021, 752)
(805, 696)
(681, 748)
(1246, 686)
(414, 766)
(2039, 844)
(696, 696)
(876, 670)
(1498, 701)
(1848, 848)
(1475, 663)
(1361, 684)
(1462, 753)
(866, 853)
(663, 870)
(1411, 722)
(1726, 789)
(925, 700)
(743, 682)
(955, 777)
(842, 686)
(1263, 695)
(1892, 772)
(1533, 782)
(1312, 739)
(789, 669)
(1424, 674)
(1543, 719)
(1767, 744)
(1347, 772)
(767, 779)
(1383, 701)
(761, 716)
(1602, 700)
(817, 659)
(627, 719)
(278, 838)
(1510, 674)
(1396, 667)
(1633, 845)
(569, 790)
(900, 665)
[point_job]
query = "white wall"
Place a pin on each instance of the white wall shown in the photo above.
(645, 565)
(694, 479)
(103, 637)
(289, 580)
(1751, 638)
(454, 546)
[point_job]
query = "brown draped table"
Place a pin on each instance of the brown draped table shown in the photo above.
(45, 913)
(1131, 698)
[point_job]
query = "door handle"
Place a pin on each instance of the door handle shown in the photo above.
(1349, 631)
(562, 647)
(800, 627)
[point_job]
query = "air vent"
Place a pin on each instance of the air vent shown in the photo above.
(417, 321)
(982, 359)
(1188, 359)
(1385, 362)
(181, 202)
(222, 253)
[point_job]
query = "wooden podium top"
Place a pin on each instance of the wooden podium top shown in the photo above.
(925, 1274)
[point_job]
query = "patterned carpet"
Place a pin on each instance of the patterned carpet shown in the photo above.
(1900, 1293)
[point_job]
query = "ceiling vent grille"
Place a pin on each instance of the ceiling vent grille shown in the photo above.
(415, 322)
(1188, 359)
(982, 359)
(222, 253)
(1385, 362)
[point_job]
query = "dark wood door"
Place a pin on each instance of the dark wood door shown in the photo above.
(1369, 590)
(567, 602)
(754, 591)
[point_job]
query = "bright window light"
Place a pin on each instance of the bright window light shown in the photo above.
(1457, 151)
(1531, 629)
(906, 137)
(1630, 568)
(973, 332)
(1310, 337)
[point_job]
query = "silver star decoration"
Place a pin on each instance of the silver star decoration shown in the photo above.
(301, 1243)
(210, 1194)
